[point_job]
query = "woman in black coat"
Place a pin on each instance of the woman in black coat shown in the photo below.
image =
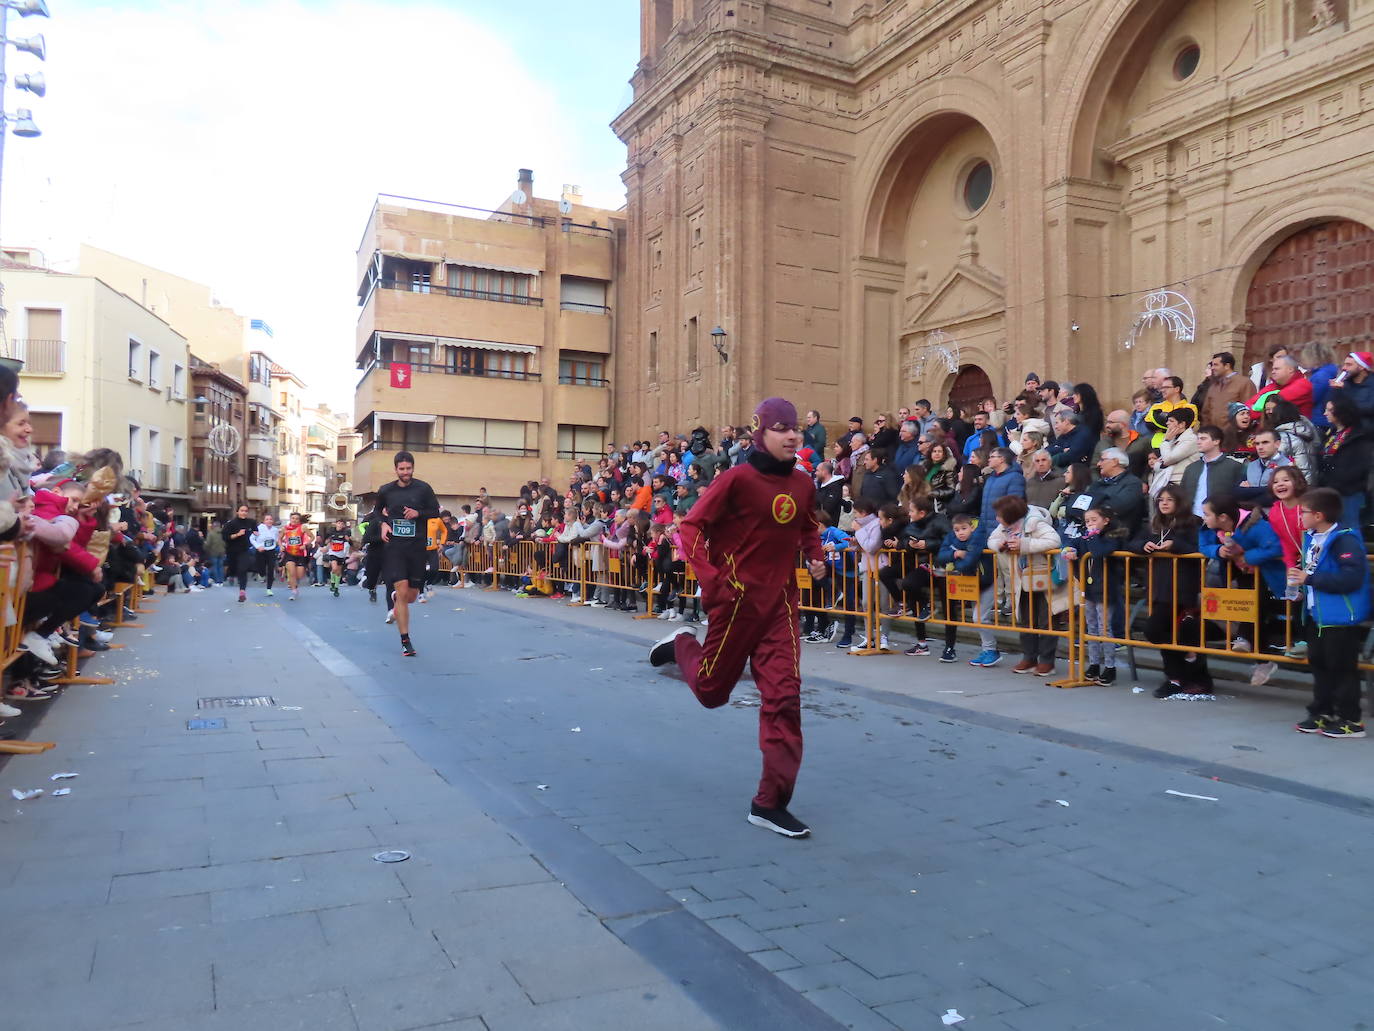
(1174, 586)
(1346, 457)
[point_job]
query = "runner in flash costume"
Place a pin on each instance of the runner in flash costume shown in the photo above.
(741, 540)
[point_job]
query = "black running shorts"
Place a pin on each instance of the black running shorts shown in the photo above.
(403, 562)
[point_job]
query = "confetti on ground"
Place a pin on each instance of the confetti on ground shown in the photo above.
(63, 776)
(290, 708)
(542, 787)
(577, 730)
(61, 791)
(24, 796)
(596, 669)
(952, 1017)
(1184, 794)
(1060, 801)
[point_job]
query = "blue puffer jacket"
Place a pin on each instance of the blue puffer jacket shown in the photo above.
(1262, 551)
(1339, 585)
(1011, 482)
(975, 559)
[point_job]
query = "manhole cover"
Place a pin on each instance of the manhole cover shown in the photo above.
(262, 701)
(394, 855)
(210, 723)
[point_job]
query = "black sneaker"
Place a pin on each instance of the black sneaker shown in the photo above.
(1107, 677)
(779, 821)
(664, 650)
(923, 614)
(1168, 689)
(949, 655)
(372, 594)
(1091, 672)
(407, 649)
(1315, 724)
(1343, 728)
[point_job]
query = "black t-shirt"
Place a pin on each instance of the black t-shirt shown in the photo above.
(234, 544)
(393, 500)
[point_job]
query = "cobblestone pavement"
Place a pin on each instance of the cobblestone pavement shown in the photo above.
(582, 858)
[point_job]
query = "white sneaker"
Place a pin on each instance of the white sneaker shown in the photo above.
(103, 636)
(38, 647)
(423, 598)
(195, 588)
(674, 616)
(391, 615)
(9, 710)
(1241, 644)
(56, 641)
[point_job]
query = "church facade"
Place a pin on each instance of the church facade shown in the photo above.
(856, 204)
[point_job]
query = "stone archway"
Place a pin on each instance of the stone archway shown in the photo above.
(971, 385)
(1316, 284)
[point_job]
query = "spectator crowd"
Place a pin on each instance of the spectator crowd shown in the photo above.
(1265, 476)
(1267, 479)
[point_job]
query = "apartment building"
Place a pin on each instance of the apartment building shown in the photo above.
(320, 440)
(218, 480)
(101, 370)
(484, 339)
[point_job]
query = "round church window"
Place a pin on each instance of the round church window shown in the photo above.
(1185, 64)
(978, 186)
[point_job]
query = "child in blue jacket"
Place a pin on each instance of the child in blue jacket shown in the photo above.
(964, 553)
(842, 583)
(1334, 580)
(1253, 542)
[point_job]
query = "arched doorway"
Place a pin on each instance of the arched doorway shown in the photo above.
(971, 385)
(1318, 284)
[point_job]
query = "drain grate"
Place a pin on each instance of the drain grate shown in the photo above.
(262, 701)
(206, 723)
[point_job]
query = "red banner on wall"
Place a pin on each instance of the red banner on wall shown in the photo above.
(400, 375)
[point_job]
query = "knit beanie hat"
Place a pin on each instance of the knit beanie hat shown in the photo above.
(770, 412)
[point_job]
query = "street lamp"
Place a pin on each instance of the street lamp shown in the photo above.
(22, 118)
(718, 342)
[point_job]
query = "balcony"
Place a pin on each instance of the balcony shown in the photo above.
(583, 403)
(583, 328)
(452, 470)
(258, 493)
(458, 291)
(42, 357)
(451, 311)
(442, 389)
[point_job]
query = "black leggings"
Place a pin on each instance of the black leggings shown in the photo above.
(267, 567)
(240, 565)
(62, 602)
(1176, 667)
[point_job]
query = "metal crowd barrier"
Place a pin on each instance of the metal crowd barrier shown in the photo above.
(1218, 604)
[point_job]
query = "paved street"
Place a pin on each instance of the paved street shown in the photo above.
(580, 857)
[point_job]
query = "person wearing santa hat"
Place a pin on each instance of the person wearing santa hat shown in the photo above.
(1355, 380)
(741, 540)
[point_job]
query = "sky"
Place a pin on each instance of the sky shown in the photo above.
(242, 144)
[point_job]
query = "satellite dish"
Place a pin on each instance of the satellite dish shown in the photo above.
(565, 206)
(519, 197)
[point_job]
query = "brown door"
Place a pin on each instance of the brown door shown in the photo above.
(971, 386)
(1316, 285)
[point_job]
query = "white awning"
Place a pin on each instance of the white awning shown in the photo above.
(465, 262)
(405, 416)
(481, 345)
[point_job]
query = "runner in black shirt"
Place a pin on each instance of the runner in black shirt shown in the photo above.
(406, 504)
(236, 533)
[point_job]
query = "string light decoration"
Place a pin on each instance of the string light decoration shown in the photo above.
(940, 350)
(1167, 308)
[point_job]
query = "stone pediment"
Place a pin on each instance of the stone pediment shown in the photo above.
(967, 293)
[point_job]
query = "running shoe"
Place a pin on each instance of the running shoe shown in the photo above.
(664, 650)
(779, 821)
(391, 615)
(38, 647)
(269, 592)
(372, 594)
(1315, 724)
(1343, 729)
(243, 595)
(407, 649)
(949, 654)
(919, 648)
(1262, 672)
(986, 657)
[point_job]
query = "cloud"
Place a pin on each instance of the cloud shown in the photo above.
(242, 145)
